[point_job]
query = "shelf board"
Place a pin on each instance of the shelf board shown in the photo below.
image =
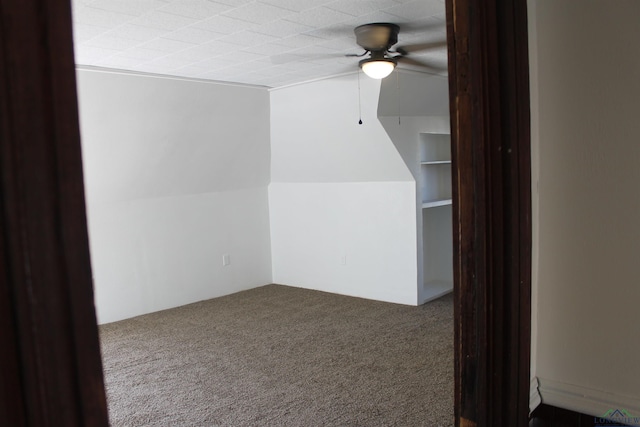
(436, 162)
(435, 203)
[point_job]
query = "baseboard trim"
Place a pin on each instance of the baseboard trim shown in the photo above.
(534, 395)
(585, 400)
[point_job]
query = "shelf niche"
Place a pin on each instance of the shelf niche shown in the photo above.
(437, 235)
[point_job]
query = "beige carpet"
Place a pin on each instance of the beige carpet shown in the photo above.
(282, 356)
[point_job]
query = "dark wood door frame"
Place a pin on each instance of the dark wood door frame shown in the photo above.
(50, 365)
(490, 129)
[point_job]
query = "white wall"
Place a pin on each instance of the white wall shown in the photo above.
(353, 238)
(176, 175)
(340, 193)
(585, 86)
(421, 95)
(315, 135)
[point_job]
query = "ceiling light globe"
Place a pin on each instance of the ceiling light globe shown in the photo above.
(378, 69)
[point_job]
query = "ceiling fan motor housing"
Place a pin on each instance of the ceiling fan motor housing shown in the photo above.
(377, 36)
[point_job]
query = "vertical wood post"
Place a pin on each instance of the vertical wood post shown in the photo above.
(51, 370)
(489, 99)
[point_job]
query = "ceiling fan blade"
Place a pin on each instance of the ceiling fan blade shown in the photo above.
(420, 27)
(420, 47)
(417, 63)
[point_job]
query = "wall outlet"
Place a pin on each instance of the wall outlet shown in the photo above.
(226, 260)
(343, 259)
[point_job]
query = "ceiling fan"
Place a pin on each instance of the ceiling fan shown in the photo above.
(377, 40)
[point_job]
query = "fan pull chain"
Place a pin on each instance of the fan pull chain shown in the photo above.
(359, 101)
(398, 93)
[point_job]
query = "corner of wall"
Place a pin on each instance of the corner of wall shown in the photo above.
(168, 195)
(535, 399)
(341, 199)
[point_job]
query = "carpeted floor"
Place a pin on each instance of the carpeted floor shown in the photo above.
(282, 356)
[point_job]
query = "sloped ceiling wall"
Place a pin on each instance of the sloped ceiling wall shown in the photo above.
(421, 95)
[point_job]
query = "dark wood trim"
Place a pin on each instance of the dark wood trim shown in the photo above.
(489, 99)
(50, 358)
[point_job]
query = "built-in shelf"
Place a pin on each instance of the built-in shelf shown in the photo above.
(435, 203)
(435, 168)
(435, 195)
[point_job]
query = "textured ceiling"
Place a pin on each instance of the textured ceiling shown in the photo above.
(271, 43)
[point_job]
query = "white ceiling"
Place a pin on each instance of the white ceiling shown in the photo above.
(271, 43)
